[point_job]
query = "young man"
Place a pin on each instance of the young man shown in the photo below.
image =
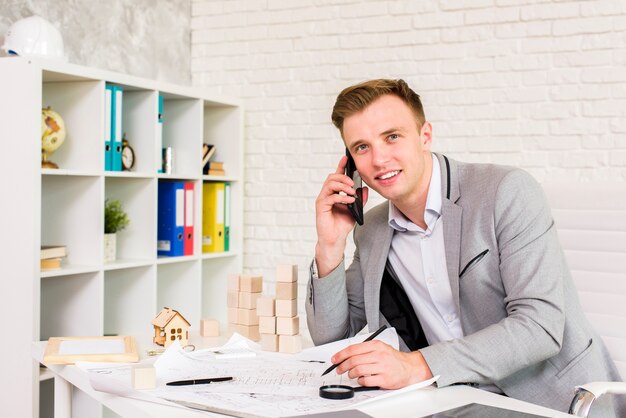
(462, 259)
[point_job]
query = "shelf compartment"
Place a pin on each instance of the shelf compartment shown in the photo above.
(72, 215)
(81, 106)
(130, 295)
(178, 287)
(221, 127)
(140, 125)
(71, 305)
(182, 130)
(138, 196)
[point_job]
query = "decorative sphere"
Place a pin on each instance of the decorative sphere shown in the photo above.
(52, 130)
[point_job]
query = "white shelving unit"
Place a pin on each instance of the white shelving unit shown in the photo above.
(65, 206)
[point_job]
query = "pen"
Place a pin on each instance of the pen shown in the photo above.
(370, 338)
(199, 381)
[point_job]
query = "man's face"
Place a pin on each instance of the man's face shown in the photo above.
(391, 153)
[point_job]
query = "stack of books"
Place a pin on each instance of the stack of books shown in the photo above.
(51, 256)
(211, 168)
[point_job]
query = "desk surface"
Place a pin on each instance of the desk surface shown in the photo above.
(417, 403)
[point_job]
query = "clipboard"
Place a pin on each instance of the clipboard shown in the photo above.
(69, 350)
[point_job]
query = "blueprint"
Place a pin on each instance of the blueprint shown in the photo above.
(264, 384)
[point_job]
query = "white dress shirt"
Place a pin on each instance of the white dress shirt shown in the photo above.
(418, 258)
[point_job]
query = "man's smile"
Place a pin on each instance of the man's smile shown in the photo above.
(388, 175)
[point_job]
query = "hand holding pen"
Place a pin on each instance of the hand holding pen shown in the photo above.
(375, 363)
(370, 338)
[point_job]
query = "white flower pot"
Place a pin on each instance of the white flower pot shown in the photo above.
(109, 247)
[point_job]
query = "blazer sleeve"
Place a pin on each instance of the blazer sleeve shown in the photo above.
(532, 272)
(334, 304)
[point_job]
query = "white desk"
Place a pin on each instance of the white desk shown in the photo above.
(416, 403)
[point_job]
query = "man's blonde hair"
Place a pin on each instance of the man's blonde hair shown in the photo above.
(355, 98)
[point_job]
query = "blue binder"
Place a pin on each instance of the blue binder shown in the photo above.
(108, 127)
(171, 219)
(116, 157)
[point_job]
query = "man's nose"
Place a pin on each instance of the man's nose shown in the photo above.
(380, 156)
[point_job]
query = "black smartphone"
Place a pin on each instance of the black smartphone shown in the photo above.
(356, 208)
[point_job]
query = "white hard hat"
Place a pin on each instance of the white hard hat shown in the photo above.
(34, 37)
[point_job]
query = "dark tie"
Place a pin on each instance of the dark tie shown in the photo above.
(398, 311)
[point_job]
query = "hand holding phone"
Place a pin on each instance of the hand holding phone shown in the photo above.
(356, 208)
(335, 214)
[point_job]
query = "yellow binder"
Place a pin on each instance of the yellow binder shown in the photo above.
(212, 217)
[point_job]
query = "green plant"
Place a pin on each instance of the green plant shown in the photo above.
(115, 219)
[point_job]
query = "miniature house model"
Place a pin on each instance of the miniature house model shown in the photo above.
(169, 326)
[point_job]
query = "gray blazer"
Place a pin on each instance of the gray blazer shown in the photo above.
(524, 327)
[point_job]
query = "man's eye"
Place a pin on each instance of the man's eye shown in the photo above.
(393, 137)
(361, 147)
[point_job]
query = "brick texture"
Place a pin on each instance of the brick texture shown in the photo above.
(540, 86)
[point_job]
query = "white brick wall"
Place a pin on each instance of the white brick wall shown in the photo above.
(541, 86)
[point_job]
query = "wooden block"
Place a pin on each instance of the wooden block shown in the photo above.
(247, 317)
(232, 299)
(249, 331)
(143, 377)
(287, 308)
(287, 273)
(253, 284)
(269, 342)
(248, 300)
(265, 306)
(289, 343)
(233, 316)
(287, 290)
(267, 324)
(288, 326)
(233, 282)
(209, 328)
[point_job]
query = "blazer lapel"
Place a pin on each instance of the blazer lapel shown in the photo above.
(451, 214)
(377, 260)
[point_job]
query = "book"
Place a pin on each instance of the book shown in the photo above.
(53, 251)
(207, 152)
(216, 173)
(214, 165)
(50, 264)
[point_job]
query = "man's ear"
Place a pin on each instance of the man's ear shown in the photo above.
(426, 135)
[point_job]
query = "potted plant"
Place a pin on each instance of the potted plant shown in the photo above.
(115, 219)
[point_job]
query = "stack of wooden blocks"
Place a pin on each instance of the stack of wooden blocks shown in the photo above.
(243, 294)
(279, 324)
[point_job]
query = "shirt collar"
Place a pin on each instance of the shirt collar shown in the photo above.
(401, 223)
